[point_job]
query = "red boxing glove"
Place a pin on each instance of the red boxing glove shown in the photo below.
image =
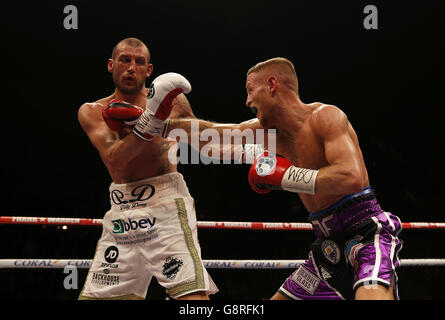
(266, 172)
(118, 113)
(271, 172)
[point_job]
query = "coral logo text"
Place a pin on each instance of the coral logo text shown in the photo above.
(121, 226)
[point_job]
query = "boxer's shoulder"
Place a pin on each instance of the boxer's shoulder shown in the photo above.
(102, 102)
(325, 110)
(327, 117)
(89, 113)
(95, 106)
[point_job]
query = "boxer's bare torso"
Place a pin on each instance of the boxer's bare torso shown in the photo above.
(305, 146)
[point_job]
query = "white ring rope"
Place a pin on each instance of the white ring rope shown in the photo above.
(211, 264)
(202, 224)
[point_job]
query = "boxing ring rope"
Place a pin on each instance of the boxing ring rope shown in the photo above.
(201, 224)
(211, 264)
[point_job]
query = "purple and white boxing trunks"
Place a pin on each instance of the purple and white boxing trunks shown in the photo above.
(357, 244)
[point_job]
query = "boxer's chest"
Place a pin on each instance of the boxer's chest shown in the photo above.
(304, 149)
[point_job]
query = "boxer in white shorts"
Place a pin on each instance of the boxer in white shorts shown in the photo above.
(150, 229)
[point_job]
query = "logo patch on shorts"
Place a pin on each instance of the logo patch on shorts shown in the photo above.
(140, 195)
(331, 251)
(306, 280)
(111, 254)
(352, 247)
(122, 226)
(171, 267)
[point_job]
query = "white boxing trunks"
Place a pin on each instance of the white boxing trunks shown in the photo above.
(149, 231)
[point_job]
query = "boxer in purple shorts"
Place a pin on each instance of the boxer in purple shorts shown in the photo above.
(348, 253)
(355, 255)
(318, 156)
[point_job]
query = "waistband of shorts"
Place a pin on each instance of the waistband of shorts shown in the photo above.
(349, 211)
(135, 193)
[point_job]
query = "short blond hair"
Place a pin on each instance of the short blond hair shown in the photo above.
(285, 70)
(278, 60)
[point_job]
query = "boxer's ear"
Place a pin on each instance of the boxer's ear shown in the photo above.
(149, 70)
(272, 84)
(110, 65)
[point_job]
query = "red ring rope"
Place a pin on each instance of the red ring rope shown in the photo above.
(201, 224)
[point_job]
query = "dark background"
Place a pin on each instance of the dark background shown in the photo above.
(388, 81)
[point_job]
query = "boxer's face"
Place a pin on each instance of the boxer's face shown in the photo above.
(259, 98)
(130, 68)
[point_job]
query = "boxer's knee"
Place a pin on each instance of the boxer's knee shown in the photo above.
(374, 292)
(279, 296)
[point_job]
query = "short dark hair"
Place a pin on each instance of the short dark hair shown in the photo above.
(132, 42)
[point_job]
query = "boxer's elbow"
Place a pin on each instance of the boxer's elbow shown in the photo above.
(120, 153)
(355, 185)
(120, 165)
(115, 162)
(352, 181)
(116, 159)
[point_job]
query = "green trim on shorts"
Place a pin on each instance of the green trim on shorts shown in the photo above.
(198, 282)
(123, 297)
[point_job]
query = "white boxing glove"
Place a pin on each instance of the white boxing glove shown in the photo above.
(158, 107)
